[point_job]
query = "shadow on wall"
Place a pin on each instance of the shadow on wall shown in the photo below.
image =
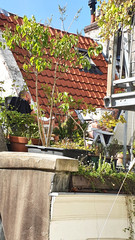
(2, 237)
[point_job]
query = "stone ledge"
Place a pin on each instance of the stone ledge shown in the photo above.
(22, 160)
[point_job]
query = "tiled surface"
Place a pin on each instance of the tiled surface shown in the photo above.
(80, 84)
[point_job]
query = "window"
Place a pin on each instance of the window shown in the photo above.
(94, 69)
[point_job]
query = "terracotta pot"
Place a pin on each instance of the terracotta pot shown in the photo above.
(18, 143)
(36, 141)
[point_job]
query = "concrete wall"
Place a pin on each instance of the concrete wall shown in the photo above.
(26, 180)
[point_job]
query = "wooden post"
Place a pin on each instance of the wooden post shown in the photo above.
(111, 64)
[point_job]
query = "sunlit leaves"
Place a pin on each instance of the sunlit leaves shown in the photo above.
(95, 50)
(108, 121)
(33, 37)
(37, 40)
(115, 14)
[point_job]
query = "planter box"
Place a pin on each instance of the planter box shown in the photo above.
(79, 183)
(83, 155)
(72, 153)
(83, 184)
(45, 150)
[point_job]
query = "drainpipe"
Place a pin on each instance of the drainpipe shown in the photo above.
(92, 5)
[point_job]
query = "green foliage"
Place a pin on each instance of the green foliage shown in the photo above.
(98, 149)
(69, 131)
(107, 174)
(1, 86)
(108, 121)
(33, 37)
(133, 148)
(104, 169)
(15, 123)
(115, 14)
(113, 148)
(19, 123)
(34, 130)
(95, 50)
(68, 144)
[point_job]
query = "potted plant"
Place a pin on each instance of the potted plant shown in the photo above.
(34, 134)
(16, 127)
(19, 131)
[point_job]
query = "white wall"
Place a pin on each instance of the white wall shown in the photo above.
(77, 216)
(119, 131)
(9, 73)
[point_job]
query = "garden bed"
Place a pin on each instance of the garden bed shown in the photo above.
(96, 185)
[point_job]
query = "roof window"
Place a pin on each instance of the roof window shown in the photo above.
(94, 69)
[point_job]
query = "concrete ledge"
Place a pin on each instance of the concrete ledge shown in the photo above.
(22, 160)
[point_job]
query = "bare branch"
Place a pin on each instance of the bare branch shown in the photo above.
(75, 18)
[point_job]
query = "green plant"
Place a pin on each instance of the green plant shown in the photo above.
(98, 149)
(15, 123)
(133, 148)
(35, 38)
(109, 175)
(61, 130)
(34, 131)
(113, 148)
(115, 14)
(109, 121)
(68, 129)
(19, 123)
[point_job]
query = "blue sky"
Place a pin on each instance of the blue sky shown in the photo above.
(43, 9)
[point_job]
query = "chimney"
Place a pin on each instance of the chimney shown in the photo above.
(92, 5)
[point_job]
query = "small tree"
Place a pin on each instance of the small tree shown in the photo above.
(37, 40)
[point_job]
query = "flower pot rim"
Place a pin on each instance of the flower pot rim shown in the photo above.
(13, 138)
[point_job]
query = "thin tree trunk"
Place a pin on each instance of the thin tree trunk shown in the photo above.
(83, 131)
(39, 119)
(51, 109)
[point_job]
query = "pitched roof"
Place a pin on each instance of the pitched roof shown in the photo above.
(89, 85)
